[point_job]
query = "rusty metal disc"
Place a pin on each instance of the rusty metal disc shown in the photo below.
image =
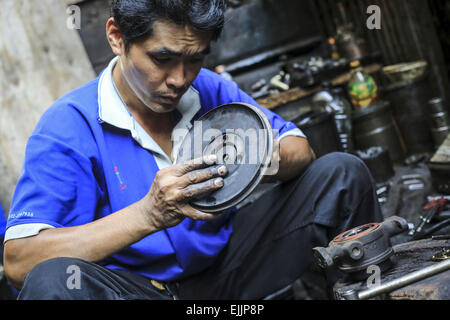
(241, 136)
(356, 232)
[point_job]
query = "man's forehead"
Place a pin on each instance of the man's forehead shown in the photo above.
(177, 38)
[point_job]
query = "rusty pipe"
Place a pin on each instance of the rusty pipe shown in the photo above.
(397, 283)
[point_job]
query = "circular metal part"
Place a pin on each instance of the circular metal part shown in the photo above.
(354, 250)
(241, 137)
(356, 232)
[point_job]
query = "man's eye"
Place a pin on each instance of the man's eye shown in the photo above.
(196, 60)
(161, 59)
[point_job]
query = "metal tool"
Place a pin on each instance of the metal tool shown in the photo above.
(356, 249)
(241, 137)
(441, 237)
(443, 255)
(431, 230)
(397, 283)
(429, 211)
(431, 198)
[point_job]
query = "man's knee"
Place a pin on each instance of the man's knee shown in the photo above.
(344, 164)
(52, 279)
(340, 160)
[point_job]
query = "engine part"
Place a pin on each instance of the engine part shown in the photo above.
(397, 283)
(241, 137)
(356, 249)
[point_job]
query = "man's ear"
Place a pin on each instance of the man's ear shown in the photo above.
(114, 37)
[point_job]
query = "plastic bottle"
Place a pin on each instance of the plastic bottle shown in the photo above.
(343, 118)
(332, 100)
(362, 88)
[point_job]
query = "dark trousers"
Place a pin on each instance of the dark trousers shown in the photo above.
(269, 249)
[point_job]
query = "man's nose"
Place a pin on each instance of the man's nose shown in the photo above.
(177, 77)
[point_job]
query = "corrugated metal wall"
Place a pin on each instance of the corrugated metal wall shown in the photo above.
(408, 31)
(393, 39)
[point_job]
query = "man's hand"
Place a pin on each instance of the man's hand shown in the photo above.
(167, 202)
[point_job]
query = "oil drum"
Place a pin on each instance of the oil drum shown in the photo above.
(320, 129)
(440, 124)
(409, 103)
(375, 125)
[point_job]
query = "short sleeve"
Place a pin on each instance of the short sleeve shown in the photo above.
(216, 90)
(57, 187)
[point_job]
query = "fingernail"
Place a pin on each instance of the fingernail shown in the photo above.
(218, 182)
(222, 170)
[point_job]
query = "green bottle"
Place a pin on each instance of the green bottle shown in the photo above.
(362, 88)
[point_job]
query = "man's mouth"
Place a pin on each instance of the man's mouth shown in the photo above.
(170, 99)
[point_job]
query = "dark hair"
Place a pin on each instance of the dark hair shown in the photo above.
(135, 18)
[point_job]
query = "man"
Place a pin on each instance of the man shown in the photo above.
(99, 194)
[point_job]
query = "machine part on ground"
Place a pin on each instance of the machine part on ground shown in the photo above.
(396, 283)
(320, 128)
(374, 125)
(440, 124)
(356, 249)
(378, 161)
(409, 102)
(241, 136)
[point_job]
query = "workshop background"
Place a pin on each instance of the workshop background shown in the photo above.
(376, 88)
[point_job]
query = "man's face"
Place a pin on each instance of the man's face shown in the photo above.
(160, 69)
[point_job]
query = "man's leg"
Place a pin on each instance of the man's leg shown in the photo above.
(76, 279)
(272, 238)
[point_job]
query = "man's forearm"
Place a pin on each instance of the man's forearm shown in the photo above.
(92, 242)
(295, 156)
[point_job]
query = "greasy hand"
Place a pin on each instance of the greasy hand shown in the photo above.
(167, 202)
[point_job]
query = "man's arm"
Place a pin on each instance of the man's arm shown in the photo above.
(165, 205)
(92, 242)
(293, 154)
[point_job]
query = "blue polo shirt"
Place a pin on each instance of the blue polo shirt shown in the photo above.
(88, 158)
(2, 224)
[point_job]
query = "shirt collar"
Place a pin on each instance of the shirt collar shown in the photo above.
(112, 110)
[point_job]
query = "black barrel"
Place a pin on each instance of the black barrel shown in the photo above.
(440, 124)
(374, 126)
(378, 161)
(320, 129)
(409, 101)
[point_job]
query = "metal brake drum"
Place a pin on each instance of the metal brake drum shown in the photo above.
(241, 136)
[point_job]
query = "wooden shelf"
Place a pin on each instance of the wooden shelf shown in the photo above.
(297, 93)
